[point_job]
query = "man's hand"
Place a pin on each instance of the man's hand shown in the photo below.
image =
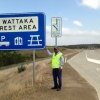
(61, 67)
(46, 48)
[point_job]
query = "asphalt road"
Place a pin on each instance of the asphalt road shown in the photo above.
(87, 64)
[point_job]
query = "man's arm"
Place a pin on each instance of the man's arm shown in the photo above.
(62, 61)
(49, 53)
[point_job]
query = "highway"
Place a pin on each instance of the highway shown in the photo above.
(87, 64)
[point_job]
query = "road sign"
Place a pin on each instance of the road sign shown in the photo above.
(56, 27)
(22, 31)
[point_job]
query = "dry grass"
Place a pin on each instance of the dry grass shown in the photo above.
(15, 86)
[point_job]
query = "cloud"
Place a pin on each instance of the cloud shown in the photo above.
(71, 36)
(70, 32)
(95, 4)
(77, 23)
(48, 29)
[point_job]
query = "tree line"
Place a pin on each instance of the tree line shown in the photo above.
(10, 57)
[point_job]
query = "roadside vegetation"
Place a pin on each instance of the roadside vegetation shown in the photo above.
(84, 46)
(10, 57)
(16, 57)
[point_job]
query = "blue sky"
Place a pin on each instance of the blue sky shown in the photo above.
(81, 18)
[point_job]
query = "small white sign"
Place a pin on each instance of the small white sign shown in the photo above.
(56, 27)
(18, 41)
(19, 24)
(34, 40)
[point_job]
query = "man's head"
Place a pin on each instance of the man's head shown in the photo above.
(55, 49)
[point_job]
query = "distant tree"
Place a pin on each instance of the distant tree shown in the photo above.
(10, 57)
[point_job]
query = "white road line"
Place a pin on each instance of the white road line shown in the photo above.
(65, 59)
(92, 60)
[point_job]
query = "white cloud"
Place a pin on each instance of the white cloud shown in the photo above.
(77, 23)
(70, 36)
(70, 32)
(95, 4)
(48, 29)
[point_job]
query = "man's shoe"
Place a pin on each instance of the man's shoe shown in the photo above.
(53, 88)
(58, 89)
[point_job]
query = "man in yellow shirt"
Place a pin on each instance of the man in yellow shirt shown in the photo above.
(57, 65)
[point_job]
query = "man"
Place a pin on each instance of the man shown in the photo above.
(57, 65)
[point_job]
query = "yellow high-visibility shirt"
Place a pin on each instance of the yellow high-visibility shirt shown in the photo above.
(56, 60)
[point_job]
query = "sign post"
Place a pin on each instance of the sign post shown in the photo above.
(33, 81)
(56, 28)
(25, 31)
(55, 41)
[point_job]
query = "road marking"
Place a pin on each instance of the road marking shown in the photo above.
(65, 60)
(92, 60)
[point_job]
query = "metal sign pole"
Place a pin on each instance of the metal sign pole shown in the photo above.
(56, 41)
(33, 77)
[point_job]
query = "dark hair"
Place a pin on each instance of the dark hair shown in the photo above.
(55, 48)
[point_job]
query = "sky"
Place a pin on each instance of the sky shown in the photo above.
(80, 18)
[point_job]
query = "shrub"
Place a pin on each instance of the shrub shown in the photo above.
(21, 68)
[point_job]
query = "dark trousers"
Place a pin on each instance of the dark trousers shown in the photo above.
(57, 77)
